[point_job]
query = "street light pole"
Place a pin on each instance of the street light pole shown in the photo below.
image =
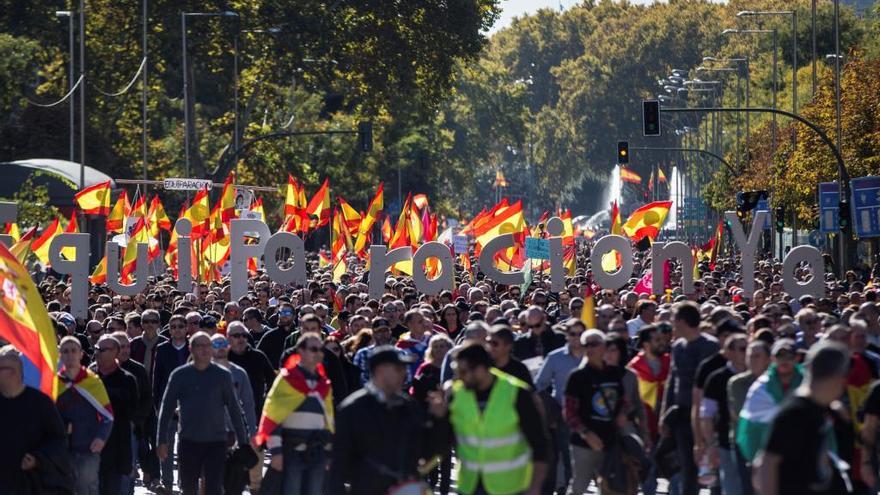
(70, 77)
(144, 90)
(82, 94)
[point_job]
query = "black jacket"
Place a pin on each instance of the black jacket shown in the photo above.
(123, 392)
(526, 346)
(260, 373)
(374, 439)
(167, 360)
(145, 392)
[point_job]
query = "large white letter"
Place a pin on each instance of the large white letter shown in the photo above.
(78, 269)
(183, 227)
(295, 274)
(747, 248)
(660, 254)
(140, 273)
(241, 252)
(555, 227)
(604, 246)
(487, 262)
(380, 260)
(443, 281)
(815, 286)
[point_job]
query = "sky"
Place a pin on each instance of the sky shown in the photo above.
(518, 8)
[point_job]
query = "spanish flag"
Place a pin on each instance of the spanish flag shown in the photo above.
(650, 386)
(22, 247)
(139, 235)
(319, 206)
(647, 220)
(660, 175)
(627, 175)
(351, 216)
(616, 222)
(420, 201)
(199, 213)
(90, 387)
(69, 253)
(157, 217)
(588, 312)
(41, 244)
(25, 324)
(504, 220)
(94, 200)
(99, 275)
(13, 231)
(377, 204)
(287, 394)
(227, 198)
(257, 207)
(116, 219)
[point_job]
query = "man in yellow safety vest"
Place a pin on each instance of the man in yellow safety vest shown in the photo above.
(501, 436)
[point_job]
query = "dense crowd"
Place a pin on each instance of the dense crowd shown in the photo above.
(486, 388)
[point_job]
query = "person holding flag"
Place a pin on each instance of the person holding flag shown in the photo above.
(87, 414)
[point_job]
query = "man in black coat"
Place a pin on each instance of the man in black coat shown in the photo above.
(375, 458)
(272, 342)
(540, 339)
(146, 457)
(169, 356)
(116, 458)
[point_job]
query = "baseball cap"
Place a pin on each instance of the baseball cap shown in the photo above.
(387, 354)
(66, 319)
(783, 346)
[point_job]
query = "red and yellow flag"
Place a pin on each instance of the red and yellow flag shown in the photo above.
(319, 206)
(41, 244)
(288, 392)
(94, 200)
(588, 312)
(627, 175)
(25, 324)
(366, 226)
(69, 252)
(351, 216)
(99, 274)
(22, 247)
(157, 218)
(647, 220)
(199, 213)
(227, 198)
(139, 235)
(116, 219)
(386, 230)
(90, 387)
(616, 222)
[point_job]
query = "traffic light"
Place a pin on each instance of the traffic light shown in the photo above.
(780, 219)
(365, 136)
(622, 152)
(651, 117)
(843, 215)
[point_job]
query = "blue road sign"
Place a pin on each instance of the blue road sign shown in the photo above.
(865, 206)
(764, 205)
(829, 200)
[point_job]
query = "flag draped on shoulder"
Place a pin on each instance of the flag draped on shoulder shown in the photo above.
(25, 323)
(90, 387)
(761, 406)
(647, 220)
(289, 391)
(94, 200)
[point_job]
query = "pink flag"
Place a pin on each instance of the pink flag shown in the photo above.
(644, 284)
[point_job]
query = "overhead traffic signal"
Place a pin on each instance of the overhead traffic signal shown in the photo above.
(780, 219)
(365, 136)
(651, 118)
(622, 152)
(843, 215)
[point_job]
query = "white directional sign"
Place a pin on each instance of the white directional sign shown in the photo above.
(188, 184)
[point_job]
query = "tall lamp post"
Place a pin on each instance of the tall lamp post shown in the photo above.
(742, 63)
(794, 59)
(185, 66)
(69, 15)
(773, 33)
(735, 71)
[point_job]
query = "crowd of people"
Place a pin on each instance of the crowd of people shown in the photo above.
(482, 389)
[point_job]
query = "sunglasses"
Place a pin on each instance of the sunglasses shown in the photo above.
(219, 344)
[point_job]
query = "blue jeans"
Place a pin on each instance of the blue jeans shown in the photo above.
(304, 475)
(729, 471)
(85, 473)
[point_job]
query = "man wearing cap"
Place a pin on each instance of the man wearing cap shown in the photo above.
(798, 456)
(373, 459)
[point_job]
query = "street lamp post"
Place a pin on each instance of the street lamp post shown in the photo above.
(69, 15)
(186, 116)
(82, 94)
(775, 66)
(738, 101)
(745, 62)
